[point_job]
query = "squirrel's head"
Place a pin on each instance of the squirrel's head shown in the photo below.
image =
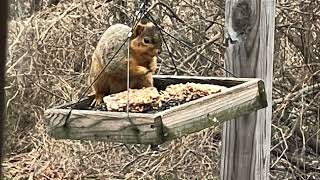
(146, 39)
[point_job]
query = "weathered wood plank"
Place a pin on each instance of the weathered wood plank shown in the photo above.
(162, 81)
(83, 104)
(155, 128)
(128, 136)
(103, 126)
(212, 110)
(249, 53)
(57, 117)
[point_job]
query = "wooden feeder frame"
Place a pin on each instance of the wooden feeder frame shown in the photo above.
(242, 96)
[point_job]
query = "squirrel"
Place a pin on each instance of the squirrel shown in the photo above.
(145, 46)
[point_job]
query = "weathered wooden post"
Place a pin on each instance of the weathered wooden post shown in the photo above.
(249, 53)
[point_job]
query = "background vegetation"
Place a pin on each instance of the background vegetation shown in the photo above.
(50, 48)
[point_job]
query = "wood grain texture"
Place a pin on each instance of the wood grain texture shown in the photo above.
(212, 110)
(155, 128)
(162, 81)
(249, 53)
(102, 126)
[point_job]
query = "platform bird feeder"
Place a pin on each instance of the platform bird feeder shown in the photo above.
(242, 96)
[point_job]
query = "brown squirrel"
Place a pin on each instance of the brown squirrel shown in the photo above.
(145, 46)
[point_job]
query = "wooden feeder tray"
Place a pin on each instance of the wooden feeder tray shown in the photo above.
(242, 96)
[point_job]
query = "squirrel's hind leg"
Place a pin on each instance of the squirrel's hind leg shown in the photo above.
(97, 100)
(100, 90)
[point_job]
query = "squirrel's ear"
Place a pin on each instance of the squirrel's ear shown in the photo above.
(137, 31)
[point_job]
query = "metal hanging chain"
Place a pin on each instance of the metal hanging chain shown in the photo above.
(188, 46)
(170, 53)
(144, 10)
(96, 78)
(142, 13)
(128, 78)
(146, 14)
(139, 16)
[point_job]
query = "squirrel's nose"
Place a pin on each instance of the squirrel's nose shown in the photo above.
(158, 51)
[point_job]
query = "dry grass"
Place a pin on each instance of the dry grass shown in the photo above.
(48, 60)
(49, 57)
(52, 159)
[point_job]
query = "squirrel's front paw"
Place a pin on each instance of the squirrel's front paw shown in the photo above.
(153, 67)
(139, 70)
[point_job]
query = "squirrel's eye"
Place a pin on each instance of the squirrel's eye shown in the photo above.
(146, 40)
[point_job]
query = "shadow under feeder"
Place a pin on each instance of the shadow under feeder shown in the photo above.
(242, 96)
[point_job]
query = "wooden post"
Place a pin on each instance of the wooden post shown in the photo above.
(3, 50)
(250, 41)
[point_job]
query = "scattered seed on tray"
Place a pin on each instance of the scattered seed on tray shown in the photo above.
(150, 100)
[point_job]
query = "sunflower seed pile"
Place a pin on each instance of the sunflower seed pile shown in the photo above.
(140, 100)
(189, 91)
(150, 100)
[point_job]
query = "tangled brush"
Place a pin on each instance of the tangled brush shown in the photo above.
(48, 60)
(48, 63)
